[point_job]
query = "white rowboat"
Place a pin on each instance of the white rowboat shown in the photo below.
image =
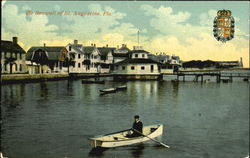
(118, 138)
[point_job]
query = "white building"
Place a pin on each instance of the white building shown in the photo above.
(106, 59)
(76, 55)
(169, 64)
(121, 54)
(92, 59)
(12, 57)
(137, 66)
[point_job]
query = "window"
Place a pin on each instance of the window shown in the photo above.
(143, 55)
(79, 64)
(116, 67)
(16, 67)
(136, 55)
(92, 56)
(20, 56)
(152, 68)
(69, 48)
(123, 67)
(79, 56)
(20, 67)
(142, 68)
(132, 67)
(95, 57)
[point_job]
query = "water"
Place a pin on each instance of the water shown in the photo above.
(55, 119)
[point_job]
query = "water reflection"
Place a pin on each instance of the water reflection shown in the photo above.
(175, 89)
(137, 151)
(44, 90)
(97, 152)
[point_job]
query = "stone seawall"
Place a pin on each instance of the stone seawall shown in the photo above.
(24, 78)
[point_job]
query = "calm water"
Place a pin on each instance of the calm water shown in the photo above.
(55, 119)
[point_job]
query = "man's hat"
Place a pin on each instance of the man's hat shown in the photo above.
(136, 116)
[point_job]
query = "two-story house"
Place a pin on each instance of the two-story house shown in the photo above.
(12, 57)
(75, 57)
(121, 54)
(106, 59)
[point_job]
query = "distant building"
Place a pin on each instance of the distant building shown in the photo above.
(46, 59)
(12, 57)
(137, 66)
(229, 64)
(121, 54)
(169, 64)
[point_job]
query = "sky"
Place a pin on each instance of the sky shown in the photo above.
(173, 27)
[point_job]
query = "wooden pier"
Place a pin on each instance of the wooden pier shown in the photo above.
(220, 76)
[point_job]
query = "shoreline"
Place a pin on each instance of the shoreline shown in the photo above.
(27, 78)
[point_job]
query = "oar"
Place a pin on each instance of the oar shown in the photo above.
(152, 139)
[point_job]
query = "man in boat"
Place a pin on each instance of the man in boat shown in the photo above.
(136, 128)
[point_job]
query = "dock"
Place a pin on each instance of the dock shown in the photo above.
(220, 76)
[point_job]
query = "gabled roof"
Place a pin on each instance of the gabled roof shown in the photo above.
(124, 48)
(105, 50)
(9, 46)
(88, 49)
(157, 58)
(137, 61)
(77, 47)
(53, 52)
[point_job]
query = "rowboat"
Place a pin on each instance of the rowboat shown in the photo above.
(108, 90)
(119, 88)
(119, 138)
(91, 81)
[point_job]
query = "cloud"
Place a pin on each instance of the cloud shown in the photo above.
(207, 19)
(192, 41)
(31, 31)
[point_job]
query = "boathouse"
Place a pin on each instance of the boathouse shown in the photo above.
(137, 67)
(46, 59)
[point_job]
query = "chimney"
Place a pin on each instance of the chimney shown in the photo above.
(117, 46)
(75, 41)
(123, 45)
(44, 45)
(107, 45)
(94, 45)
(14, 40)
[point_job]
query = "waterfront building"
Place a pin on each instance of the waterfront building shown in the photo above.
(12, 57)
(169, 64)
(76, 57)
(46, 59)
(106, 59)
(91, 59)
(137, 66)
(121, 54)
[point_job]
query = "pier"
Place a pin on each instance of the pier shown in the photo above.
(220, 76)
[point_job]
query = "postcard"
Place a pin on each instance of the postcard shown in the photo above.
(116, 79)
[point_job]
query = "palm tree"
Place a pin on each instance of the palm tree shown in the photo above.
(11, 61)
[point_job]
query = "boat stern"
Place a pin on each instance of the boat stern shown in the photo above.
(95, 143)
